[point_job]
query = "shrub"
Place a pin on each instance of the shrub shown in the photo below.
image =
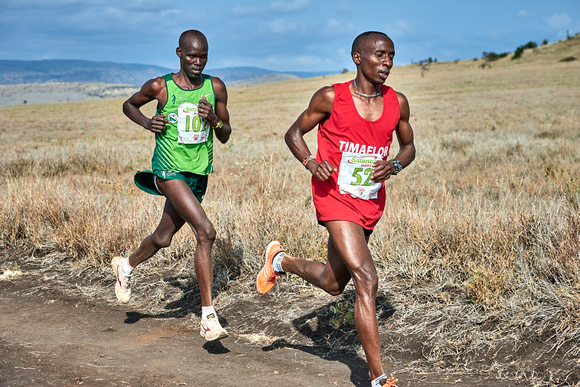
(492, 56)
(520, 50)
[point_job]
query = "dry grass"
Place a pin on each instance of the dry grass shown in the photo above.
(479, 249)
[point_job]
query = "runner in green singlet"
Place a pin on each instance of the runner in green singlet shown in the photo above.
(191, 109)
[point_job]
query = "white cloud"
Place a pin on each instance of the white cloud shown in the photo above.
(279, 62)
(398, 28)
(280, 26)
(295, 6)
(298, 62)
(242, 10)
(333, 24)
(524, 14)
(559, 21)
(64, 5)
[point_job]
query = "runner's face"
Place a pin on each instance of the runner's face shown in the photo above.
(376, 59)
(193, 57)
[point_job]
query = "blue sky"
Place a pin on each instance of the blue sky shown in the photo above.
(288, 35)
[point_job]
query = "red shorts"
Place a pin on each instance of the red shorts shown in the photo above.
(330, 204)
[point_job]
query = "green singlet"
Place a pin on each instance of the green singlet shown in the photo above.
(186, 145)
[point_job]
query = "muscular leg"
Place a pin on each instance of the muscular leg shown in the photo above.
(348, 257)
(170, 223)
(351, 243)
(189, 209)
(332, 277)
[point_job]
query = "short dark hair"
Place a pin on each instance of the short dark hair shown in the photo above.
(360, 40)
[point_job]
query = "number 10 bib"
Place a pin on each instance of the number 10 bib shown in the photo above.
(354, 175)
(191, 128)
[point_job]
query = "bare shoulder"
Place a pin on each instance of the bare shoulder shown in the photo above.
(403, 105)
(151, 90)
(401, 97)
(219, 88)
(327, 93)
(153, 87)
(323, 100)
(218, 84)
(156, 83)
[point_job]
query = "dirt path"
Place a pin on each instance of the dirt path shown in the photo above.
(48, 337)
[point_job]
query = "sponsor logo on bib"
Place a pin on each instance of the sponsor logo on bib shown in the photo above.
(366, 161)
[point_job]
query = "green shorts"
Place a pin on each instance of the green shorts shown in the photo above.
(146, 181)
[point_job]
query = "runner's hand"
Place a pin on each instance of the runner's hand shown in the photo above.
(205, 111)
(382, 170)
(157, 123)
(321, 171)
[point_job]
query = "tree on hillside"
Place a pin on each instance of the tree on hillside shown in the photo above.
(520, 50)
(492, 56)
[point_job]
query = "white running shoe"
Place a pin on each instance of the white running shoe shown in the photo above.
(123, 285)
(211, 328)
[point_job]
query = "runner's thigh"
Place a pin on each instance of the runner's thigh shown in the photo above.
(184, 201)
(349, 240)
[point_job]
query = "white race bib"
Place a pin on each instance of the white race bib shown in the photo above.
(191, 128)
(354, 175)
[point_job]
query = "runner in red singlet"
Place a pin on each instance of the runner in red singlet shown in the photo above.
(356, 123)
(350, 194)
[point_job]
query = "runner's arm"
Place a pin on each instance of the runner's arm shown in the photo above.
(318, 110)
(153, 89)
(221, 111)
(384, 169)
(405, 135)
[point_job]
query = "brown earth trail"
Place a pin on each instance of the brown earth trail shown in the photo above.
(51, 337)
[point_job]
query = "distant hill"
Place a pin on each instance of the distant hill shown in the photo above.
(61, 92)
(565, 50)
(69, 80)
(247, 75)
(50, 71)
(14, 72)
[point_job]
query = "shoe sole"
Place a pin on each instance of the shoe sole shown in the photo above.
(221, 336)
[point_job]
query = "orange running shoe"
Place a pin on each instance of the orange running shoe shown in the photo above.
(390, 382)
(267, 276)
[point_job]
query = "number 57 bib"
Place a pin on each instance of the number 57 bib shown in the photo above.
(191, 128)
(354, 175)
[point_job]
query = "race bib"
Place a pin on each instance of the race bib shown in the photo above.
(191, 128)
(354, 175)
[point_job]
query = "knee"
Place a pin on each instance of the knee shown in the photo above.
(366, 282)
(334, 288)
(161, 241)
(206, 234)
(335, 291)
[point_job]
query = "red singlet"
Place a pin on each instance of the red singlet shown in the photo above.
(352, 143)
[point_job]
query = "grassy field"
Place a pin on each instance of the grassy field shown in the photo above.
(478, 251)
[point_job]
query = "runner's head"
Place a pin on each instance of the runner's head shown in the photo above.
(373, 54)
(192, 51)
(360, 41)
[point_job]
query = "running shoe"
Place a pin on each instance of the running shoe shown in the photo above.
(123, 285)
(211, 328)
(267, 276)
(388, 382)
